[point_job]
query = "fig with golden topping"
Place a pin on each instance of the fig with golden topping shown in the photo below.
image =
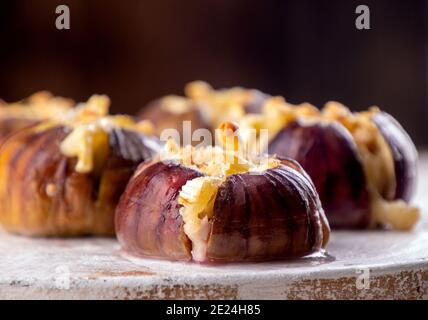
(363, 164)
(38, 107)
(216, 204)
(64, 176)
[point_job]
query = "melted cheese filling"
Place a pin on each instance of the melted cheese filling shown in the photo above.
(91, 124)
(197, 197)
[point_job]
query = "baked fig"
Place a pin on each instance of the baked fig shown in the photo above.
(215, 205)
(64, 177)
(203, 106)
(39, 106)
(171, 112)
(363, 164)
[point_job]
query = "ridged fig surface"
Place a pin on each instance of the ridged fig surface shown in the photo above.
(404, 154)
(328, 153)
(148, 222)
(275, 214)
(41, 194)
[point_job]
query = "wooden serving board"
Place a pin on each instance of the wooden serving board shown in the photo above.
(357, 265)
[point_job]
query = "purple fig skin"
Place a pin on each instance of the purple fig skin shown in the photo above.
(133, 146)
(148, 221)
(256, 217)
(269, 216)
(328, 153)
(404, 154)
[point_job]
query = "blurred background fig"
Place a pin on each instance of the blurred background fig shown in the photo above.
(203, 106)
(404, 155)
(64, 176)
(38, 107)
(171, 112)
(217, 204)
(223, 105)
(363, 164)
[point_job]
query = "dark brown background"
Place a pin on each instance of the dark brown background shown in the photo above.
(135, 51)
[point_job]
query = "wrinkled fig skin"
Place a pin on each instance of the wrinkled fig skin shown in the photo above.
(404, 154)
(42, 195)
(256, 217)
(164, 119)
(148, 222)
(329, 155)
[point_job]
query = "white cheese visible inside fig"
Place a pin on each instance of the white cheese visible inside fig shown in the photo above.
(79, 143)
(90, 123)
(197, 198)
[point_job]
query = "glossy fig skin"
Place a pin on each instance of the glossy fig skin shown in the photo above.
(148, 222)
(272, 215)
(41, 194)
(328, 153)
(404, 154)
(275, 215)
